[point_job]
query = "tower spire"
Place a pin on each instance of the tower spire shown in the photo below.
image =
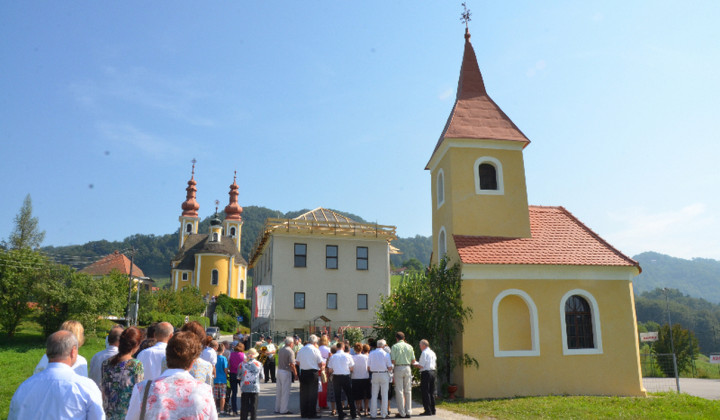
(190, 206)
(233, 209)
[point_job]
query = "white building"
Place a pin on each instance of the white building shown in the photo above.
(325, 270)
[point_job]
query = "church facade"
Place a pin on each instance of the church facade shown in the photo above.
(210, 261)
(553, 305)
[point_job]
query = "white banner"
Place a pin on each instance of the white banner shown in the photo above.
(263, 301)
(649, 337)
(715, 358)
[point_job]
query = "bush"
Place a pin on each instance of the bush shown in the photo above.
(147, 318)
(226, 322)
(353, 335)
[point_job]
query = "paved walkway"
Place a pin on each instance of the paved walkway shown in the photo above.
(266, 406)
(703, 388)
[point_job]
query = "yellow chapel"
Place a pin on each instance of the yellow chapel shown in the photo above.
(553, 306)
(211, 261)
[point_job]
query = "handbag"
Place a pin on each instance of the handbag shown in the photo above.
(144, 400)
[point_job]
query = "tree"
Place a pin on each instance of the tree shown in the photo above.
(18, 270)
(353, 335)
(686, 348)
(26, 233)
(437, 294)
(413, 264)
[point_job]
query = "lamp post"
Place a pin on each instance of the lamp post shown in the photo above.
(130, 286)
(672, 341)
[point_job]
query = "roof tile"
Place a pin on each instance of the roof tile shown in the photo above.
(114, 261)
(557, 238)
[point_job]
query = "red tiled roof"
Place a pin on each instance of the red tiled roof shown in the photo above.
(558, 238)
(475, 115)
(114, 261)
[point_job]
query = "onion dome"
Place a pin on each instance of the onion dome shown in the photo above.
(190, 206)
(233, 209)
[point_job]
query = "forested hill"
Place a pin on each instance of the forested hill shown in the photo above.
(699, 277)
(153, 253)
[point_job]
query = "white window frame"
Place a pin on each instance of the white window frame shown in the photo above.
(442, 242)
(214, 271)
(440, 188)
(534, 325)
(498, 173)
(185, 276)
(595, 314)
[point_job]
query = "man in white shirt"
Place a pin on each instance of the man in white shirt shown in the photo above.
(340, 365)
(310, 361)
(111, 349)
(58, 392)
(269, 365)
(428, 366)
(152, 357)
(380, 366)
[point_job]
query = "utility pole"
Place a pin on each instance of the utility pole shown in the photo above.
(130, 285)
(672, 342)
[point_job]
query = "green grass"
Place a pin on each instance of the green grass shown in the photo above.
(20, 354)
(656, 406)
(705, 369)
(394, 281)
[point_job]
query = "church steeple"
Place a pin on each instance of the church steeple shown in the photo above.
(477, 168)
(233, 211)
(189, 218)
(475, 115)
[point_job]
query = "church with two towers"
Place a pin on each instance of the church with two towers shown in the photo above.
(210, 261)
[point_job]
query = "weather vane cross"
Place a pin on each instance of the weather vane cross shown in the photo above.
(193, 168)
(465, 17)
(217, 203)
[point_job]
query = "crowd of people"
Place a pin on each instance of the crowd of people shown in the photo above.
(161, 373)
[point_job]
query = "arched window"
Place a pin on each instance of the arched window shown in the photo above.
(214, 277)
(215, 237)
(442, 243)
(440, 188)
(515, 325)
(188, 228)
(488, 176)
(580, 323)
(232, 231)
(242, 286)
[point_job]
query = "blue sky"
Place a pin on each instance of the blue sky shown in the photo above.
(339, 104)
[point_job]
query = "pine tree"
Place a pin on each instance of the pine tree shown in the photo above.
(26, 233)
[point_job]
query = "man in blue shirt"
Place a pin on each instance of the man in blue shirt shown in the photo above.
(58, 392)
(220, 382)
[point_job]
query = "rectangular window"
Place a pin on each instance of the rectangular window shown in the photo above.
(362, 258)
(299, 300)
(300, 255)
(332, 300)
(362, 301)
(185, 276)
(331, 256)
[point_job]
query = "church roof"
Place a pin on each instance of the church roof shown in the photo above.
(200, 243)
(558, 238)
(114, 261)
(324, 215)
(475, 115)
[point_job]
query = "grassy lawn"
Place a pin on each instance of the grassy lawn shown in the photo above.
(19, 355)
(656, 406)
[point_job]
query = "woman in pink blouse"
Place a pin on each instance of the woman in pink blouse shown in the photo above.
(175, 394)
(237, 357)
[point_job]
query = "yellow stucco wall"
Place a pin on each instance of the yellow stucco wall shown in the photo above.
(207, 263)
(614, 372)
(465, 212)
(514, 324)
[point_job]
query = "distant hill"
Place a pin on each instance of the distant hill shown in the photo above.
(699, 277)
(153, 252)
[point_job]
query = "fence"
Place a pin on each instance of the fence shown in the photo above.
(658, 371)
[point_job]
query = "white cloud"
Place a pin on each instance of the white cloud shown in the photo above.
(144, 142)
(172, 97)
(687, 232)
(446, 94)
(539, 66)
